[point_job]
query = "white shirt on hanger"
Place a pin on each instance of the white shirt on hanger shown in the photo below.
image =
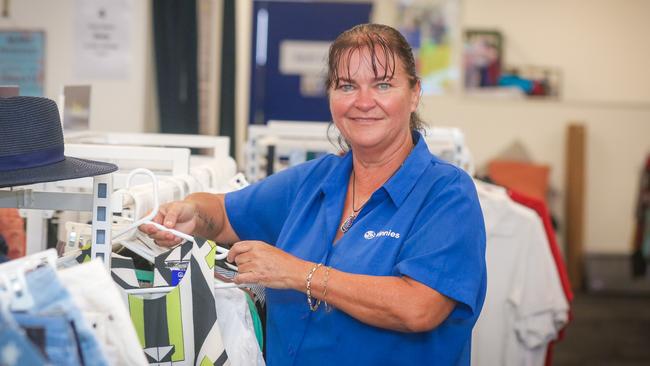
(524, 307)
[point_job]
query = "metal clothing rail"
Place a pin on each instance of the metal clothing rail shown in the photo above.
(51, 195)
(98, 202)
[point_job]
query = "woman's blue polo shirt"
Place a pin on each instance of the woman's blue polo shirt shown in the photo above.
(425, 222)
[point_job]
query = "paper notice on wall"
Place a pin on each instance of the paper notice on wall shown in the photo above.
(103, 39)
(308, 59)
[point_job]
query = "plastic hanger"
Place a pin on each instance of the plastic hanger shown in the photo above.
(222, 253)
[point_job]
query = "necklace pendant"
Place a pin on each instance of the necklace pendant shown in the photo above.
(347, 224)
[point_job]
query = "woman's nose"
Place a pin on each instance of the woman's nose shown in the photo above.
(365, 100)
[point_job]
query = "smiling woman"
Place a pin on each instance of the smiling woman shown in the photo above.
(388, 236)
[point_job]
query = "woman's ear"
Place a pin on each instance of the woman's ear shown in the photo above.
(415, 97)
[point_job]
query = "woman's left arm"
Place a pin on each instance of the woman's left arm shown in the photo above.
(396, 303)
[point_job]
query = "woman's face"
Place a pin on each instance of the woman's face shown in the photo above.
(370, 111)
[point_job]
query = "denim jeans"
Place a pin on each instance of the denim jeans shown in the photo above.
(15, 348)
(52, 299)
(54, 335)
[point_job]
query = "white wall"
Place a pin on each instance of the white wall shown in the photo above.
(120, 105)
(602, 49)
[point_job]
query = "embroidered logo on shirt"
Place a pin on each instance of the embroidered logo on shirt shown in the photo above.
(371, 234)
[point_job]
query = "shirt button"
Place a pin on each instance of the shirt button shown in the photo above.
(292, 351)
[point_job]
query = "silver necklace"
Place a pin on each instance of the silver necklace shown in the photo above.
(347, 224)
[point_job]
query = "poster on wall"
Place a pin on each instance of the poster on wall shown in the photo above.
(482, 58)
(102, 39)
(431, 28)
(23, 61)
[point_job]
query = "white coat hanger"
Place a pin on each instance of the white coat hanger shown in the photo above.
(222, 253)
(148, 218)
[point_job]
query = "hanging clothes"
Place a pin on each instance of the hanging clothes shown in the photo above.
(12, 229)
(237, 328)
(56, 324)
(539, 206)
(100, 301)
(180, 327)
(15, 348)
(641, 251)
(525, 306)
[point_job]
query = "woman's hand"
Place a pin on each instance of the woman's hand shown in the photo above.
(179, 215)
(261, 263)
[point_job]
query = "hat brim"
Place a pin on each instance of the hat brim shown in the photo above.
(68, 168)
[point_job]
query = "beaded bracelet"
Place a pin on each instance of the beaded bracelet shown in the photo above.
(312, 307)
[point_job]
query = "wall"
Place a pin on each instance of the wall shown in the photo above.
(120, 105)
(601, 47)
(602, 50)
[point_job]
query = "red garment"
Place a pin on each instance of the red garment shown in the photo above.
(540, 207)
(12, 228)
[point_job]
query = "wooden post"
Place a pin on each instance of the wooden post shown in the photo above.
(574, 202)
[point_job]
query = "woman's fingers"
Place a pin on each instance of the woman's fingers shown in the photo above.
(172, 214)
(237, 249)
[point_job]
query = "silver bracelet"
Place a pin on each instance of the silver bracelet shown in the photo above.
(312, 307)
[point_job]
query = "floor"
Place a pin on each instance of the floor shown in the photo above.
(608, 328)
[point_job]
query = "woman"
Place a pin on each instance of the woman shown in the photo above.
(372, 258)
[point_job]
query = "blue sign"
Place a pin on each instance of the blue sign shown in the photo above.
(22, 60)
(303, 26)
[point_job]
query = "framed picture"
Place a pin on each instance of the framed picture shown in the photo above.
(431, 28)
(482, 58)
(23, 60)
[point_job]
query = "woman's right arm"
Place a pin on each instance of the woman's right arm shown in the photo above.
(199, 214)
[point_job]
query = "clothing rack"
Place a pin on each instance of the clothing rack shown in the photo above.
(268, 144)
(98, 202)
(175, 159)
(220, 145)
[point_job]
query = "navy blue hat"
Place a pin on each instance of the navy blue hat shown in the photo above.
(31, 145)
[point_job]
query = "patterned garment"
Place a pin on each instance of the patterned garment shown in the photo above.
(179, 327)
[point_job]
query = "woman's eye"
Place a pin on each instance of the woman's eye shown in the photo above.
(346, 87)
(383, 86)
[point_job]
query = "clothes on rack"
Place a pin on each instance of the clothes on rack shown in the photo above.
(15, 348)
(526, 306)
(181, 326)
(238, 327)
(641, 251)
(12, 230)
(101, 303)
(539, 206)
(52, 321)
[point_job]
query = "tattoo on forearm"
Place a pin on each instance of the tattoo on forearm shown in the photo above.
(208, 222)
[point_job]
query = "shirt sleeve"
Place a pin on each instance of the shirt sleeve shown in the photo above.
(258, 212)
(445, 249)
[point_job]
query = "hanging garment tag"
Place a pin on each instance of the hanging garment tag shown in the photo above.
(177, 276)
(177, 270)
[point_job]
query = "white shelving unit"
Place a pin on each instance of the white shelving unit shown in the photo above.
(98, 202)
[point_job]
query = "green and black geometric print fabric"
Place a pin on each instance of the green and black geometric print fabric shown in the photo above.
(180, 327)
(123, 272)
